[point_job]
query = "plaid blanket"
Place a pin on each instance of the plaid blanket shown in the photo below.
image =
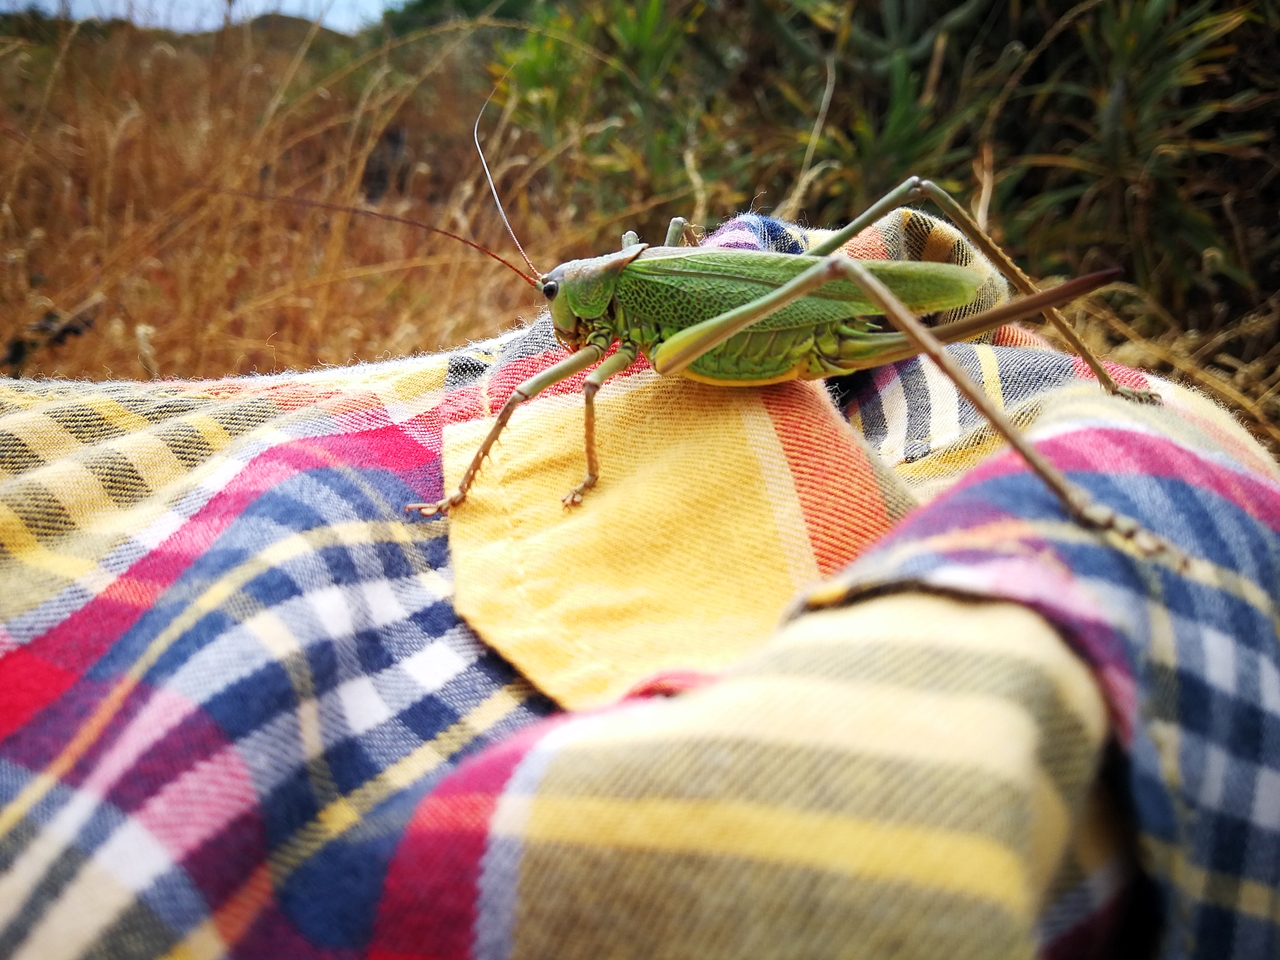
(242, 716)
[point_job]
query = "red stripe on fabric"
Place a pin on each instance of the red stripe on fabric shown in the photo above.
(1013, 335)
(669, 683)
(221, 863)
(1125, 376)
(867, 245)
(835, 484)
(1118, 452)
(30, 684)
(428, 907)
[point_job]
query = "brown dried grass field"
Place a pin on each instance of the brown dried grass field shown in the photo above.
(125, 155)
(114, 160)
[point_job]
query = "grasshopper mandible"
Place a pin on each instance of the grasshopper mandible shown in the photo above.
(753, 318)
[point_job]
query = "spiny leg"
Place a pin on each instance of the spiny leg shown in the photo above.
(1078, 503)
(685, 347)
(625, 357)
(563, 370)
(969, 227)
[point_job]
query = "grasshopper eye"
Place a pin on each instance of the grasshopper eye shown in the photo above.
(550, 289)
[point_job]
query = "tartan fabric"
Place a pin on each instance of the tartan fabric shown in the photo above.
(900, 791)
(1190, 661)
(238, 704)
(229, 667)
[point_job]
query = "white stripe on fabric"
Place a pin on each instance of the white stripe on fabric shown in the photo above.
(1219, 662)
(67, 930)
(894, 411)
(133, 855)
(32, 865)
(362, 707)
(944, 405)
(326, 614)
(1214, 777)
(1269, 686)
(433, 666)
(1266, 799)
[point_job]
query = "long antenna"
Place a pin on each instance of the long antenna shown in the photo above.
(475, 133)
(339, 208)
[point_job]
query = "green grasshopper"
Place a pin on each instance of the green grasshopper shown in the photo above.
(752, 318)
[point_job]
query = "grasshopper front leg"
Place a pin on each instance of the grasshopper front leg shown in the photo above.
(566, 368)
(625, 357)
(680, 233)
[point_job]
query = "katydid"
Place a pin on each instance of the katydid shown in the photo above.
(752, 318)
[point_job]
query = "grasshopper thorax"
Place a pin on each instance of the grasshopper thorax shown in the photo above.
(580, 292)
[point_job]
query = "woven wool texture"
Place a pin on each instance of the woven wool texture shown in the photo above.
(241, 716)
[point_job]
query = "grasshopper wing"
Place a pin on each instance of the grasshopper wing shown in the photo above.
(676, 287)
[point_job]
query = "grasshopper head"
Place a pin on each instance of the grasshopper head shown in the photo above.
(580, 292)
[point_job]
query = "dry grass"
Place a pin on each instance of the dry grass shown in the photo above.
(114, 155)
(122, 151)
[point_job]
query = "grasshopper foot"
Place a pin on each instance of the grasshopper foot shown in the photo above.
(1136, 395)
(438, 509)
(574, 497)
(1147, 544)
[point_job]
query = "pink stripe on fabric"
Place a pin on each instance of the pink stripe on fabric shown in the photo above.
(1125, 376)
(163, 710)
(738, 238)
(884, 375)
(1115, 451)
(200, 803)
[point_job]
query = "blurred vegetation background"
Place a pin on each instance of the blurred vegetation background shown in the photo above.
(1137, 133)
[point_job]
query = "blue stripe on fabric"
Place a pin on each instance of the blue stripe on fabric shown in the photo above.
(428, 717)
(288, 808)
(248, 704)
(919, 440)
(176, 901)
(350, 764)
(323, 666)
(371, 652)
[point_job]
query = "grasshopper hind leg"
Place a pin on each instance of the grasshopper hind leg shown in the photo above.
(969, 227)
(1075, 499)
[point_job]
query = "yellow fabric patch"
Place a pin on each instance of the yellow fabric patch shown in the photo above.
(586, 602)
